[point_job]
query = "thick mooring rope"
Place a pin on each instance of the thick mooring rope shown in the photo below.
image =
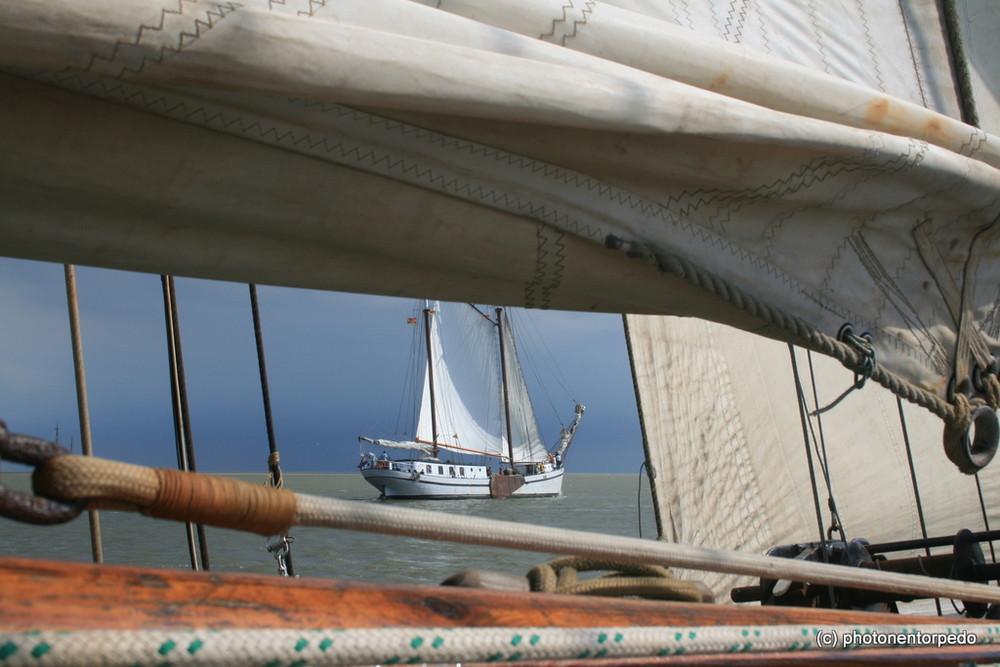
(230, 503)
(457, 645)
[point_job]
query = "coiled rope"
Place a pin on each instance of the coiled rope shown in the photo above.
(623, 579)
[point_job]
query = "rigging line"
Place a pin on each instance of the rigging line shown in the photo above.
(172, 494)
(638, 497)
(982, 509)
(804, 418)
(182, 421)
(963, 77)
(96, 547)
(264, 388)
(824, 459)
(545, 354)
(916, 487)
(410, 394)
(274, 477)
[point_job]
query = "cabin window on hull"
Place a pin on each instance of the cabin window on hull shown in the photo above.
(440, 470)
(461, 471)
(429, 470)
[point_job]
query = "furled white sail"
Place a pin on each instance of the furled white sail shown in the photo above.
(467, 404)
(781, 167)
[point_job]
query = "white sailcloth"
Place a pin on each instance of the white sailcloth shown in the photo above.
(468, 400)
(720, 407)
(491, 150)
(726, 446)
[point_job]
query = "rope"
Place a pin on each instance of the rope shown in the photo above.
(279, 545)
(963, 77)
(457, 645)
(182, 415)
(991, 389)
(229, 503)
(803, 418)
(824, 461)
(816, 340)
(624, 579)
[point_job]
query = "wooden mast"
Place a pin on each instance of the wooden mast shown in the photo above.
(502, 485)
(506, 394)
(430, 379)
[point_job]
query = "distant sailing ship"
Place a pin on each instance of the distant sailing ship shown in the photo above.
(473, 402)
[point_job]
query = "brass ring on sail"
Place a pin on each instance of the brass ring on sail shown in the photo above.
(972, 454)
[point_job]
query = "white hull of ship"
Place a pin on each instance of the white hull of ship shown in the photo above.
(402, 483)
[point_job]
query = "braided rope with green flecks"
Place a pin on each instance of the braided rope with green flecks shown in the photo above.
(442, 645)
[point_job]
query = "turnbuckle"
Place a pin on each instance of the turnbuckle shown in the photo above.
(27, 507)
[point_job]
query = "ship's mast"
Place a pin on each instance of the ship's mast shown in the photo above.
(430, 379)
(506, 396)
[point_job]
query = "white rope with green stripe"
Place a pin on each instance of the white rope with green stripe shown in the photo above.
(410, 646)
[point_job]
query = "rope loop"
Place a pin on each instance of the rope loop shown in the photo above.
(863, 369)
(623, 579)
(27, 507)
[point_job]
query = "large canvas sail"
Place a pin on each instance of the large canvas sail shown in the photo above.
(730, 462)
(720, 407)
(779, 167)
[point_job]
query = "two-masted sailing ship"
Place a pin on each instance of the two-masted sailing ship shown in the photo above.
(473, 405)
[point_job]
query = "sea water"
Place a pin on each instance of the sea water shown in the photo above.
(613, 504)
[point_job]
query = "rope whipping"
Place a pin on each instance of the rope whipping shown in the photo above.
(182, 416)
(230, 503)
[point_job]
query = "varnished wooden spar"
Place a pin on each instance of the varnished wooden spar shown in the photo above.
(54, 595)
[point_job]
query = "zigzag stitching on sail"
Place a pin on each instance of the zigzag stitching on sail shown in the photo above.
(542, 268)
(427, 175)
(735, 36)
(892, 295)
(684, 20)
(764, 29)
(917, 70)
(807, 175)
(184, 39)
(977, 139)
(818, 36)
(565, 35)
(871, 46)
(314, 6)
(770, 230)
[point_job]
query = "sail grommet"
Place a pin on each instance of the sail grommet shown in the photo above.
(972, 443)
